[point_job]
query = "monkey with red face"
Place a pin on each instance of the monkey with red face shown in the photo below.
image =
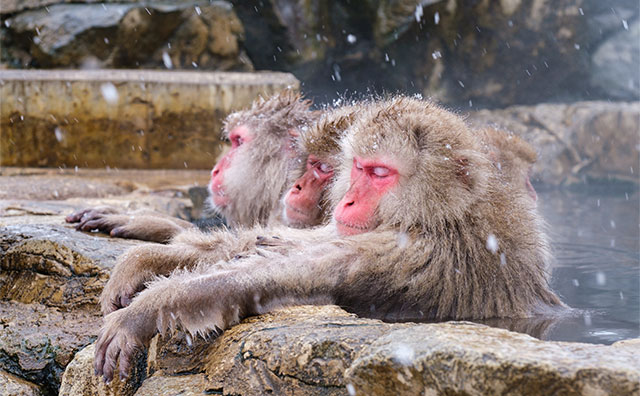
(246, 183)
(306, 204)
(424, 227)
(307, 201)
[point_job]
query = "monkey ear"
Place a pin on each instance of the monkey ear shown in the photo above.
(463, 172)
(293, 133)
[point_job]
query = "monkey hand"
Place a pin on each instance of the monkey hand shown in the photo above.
(80, 215)
(122, 334)
(144, 227)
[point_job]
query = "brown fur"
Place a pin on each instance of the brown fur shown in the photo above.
(322, 140)
(256, 181)
(512, 155)
(427, 258)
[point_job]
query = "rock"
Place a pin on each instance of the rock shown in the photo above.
(37, 342)
(577, 143)
(185, 385)
(615, 64)
(10, 385)
(56, 265)
(324, 350)
(151, 119)
(79, 379)
(185, 35)
(50, 283)
(470, 359)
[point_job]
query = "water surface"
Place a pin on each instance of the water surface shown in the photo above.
(596, 239)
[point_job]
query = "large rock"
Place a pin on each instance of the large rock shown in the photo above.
(615, 63)
(325, 351)
(149, 119)
(195, 34)
(487, 53)
(10, 385)
(577, 143)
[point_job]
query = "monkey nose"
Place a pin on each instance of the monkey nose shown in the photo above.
(215, 171)
(350, 203)
(298, 187)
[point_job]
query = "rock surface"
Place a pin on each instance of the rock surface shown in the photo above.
(462, 52)
(576, 143)
(150, 119)
(324, 350)
(184, 35)
(10, 385)
(51, 275)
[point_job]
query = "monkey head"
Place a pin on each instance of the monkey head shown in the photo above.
(402, 154)
(306, 203)
(247, 182)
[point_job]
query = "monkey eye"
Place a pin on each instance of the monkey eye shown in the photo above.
(236, 141)
(325, 168)
(380, 171)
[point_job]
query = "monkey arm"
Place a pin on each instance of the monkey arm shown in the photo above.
(215, 296)
(143, 224)
(143, 263)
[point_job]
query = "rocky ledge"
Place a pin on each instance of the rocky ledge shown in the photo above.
(52, 276)
(326, 351)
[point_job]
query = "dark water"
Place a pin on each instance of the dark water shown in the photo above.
(596, 240)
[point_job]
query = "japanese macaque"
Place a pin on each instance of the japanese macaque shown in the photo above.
(512, 155)
(423, 228)
(307, 203)
(246, 183)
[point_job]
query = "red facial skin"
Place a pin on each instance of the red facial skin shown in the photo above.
(239, 136)
(302, 200)
(371, 179)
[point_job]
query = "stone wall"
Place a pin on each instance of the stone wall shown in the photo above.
(122, 118)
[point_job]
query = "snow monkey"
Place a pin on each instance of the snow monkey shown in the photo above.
(306, 204)
(423, 228)
(246, 183)
(513, 156)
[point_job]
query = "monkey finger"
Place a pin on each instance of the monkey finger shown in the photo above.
(76, 216)
(126, 358)
(110, 360)
(96, 224)
(99, 354)
(120, 232)
(124, 300)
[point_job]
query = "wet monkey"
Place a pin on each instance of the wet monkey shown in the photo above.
(512, 155)
(423, 227)
(306, 203)
(246, 183)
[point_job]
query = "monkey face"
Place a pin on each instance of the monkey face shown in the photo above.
(303, 200)
(371, 178)
(240, 136)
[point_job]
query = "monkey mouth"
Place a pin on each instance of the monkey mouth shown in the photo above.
(296, 215)
(218, 196)
(352, 229)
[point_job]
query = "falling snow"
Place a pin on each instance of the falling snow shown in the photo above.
(351, 39)
(492, 243)
(601, 278)
(436, 18)
(109, 93)
(166, 59)
(403, 354)
(418, 13)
